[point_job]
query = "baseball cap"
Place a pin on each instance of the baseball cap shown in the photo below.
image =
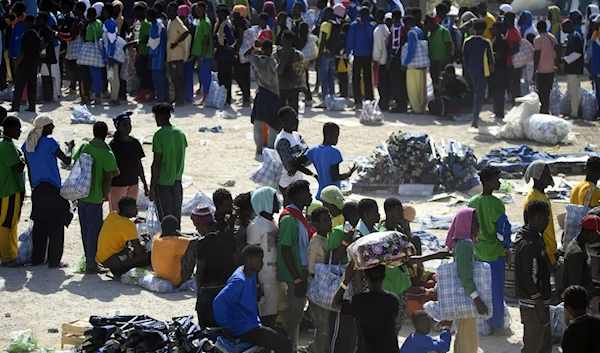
(388, 16)
(333, 195)
(591, 222)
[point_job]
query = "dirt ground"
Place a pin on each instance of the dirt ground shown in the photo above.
(41, 299)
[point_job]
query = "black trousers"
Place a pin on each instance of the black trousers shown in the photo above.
(514, 83)
(544, 85)
(226, 76)
(497, 82)
(3, 76)
(188, 261)
(268, 338)
(71, 67)
(307, 92)
(342, 78)
(362, 64)
(398, 85)
(242, 77)
(204, 305)
(25, 76)
(169, 200)
(384, 87)
(436, 71)
(85, 81)
(48, 227)
(537, 338)
(120, 263)
(143, 73)
(178, 80)
(289, 97)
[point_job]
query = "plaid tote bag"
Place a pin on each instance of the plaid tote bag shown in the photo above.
(269, 172)
(78, 183)
(74, 48)
(455, 302)
(326, 283)
(575, 214)
(91, 54)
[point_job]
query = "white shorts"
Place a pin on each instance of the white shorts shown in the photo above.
(267, 305)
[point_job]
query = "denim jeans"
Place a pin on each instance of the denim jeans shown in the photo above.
(204, 75)
(258, 126)
(160, 85)
(90, 220)
(479, 87)
(326, 74)
(291, 318)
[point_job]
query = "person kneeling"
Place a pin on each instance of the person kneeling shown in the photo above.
(119, 247)
(236, 311)
(173, 254)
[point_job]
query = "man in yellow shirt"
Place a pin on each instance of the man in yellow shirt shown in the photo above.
(119, 247)
(173, 254)
(580, 192)
(487, 17)
(540, 172)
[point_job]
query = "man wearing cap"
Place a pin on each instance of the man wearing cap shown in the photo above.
(577, 270)
(173, 254)
(214, 262)
(333, 199)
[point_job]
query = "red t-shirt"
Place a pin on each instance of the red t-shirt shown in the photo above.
(513, 35)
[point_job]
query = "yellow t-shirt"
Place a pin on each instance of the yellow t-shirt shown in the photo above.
(166, 257)
(489, 20)
(337, 220)
(325, 34)
(549, 235)
(580, 193)
(115, 233)
(175, 29)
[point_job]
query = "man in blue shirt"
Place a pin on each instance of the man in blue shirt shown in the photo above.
(236, 311)
(157, 54)
(421, 341)
(360, 44)
(18, 28)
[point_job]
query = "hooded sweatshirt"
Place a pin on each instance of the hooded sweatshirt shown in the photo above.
(527, 27)
(554, 27)
(532, 268)
(420, 343)
(594, 10)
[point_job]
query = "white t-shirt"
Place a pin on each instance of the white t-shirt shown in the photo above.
(298, 146)
(264, 233)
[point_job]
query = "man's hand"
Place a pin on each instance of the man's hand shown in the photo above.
(152, 195)
(300, 289)
(353, 168)
(404, 68)
(441, 255)
(174, 45)
(259, 293)
(146, 190)
(111, 62)
(446, 323)
(349, 274)
(292, 171)
(544, 316)
(481, 307)
(200, 62)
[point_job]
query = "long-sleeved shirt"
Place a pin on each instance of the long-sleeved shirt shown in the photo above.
(464, 253)
(420, 343)
(360, 38)
(549, 233)
(235, 306)
(300, 28)
(157, 46)
(574, 47)
(478, 56)
(73, 32)
(532, 268)
(577, 271)
(110, 34)
(414, 35)
(381, 36)
(14, 45)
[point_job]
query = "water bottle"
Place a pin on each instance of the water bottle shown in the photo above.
(110, 73)
(301, 103)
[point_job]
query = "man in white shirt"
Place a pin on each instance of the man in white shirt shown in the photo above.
(381, 36)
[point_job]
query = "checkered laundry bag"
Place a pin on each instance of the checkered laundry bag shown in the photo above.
(575, 214)
(25, 252)
(311, 49)
(556, 97)
(74, 48)
(269, 172)
(455, 302)
(420, 58)
(78, 183)
(326, 284)
(91, 54)
(485, 329)
(217, 94)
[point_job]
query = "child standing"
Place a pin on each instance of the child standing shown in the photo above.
(421, 341)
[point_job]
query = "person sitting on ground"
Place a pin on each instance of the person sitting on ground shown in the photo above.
(421, 341)
(119, 247)
(580, 192)
(456, 89)
(173, 254)
(236, 311)
(578, 337)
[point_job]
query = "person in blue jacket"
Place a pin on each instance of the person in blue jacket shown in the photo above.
(157, 54)
(421, 341)
(595, 62)
(360, 44)
(18, 28)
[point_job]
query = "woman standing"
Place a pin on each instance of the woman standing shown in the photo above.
(128, 153)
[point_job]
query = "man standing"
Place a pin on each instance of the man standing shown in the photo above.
(109, 37)
(12, 190)
(489, 19)
(440, 49)
(178, 51)
(381, 36)
(241, 70)
(18, 29)
(573, 65)
(292, 262)
(290, 70)
(202, 47)
(142, 34)
(498, 79)
(478, 59)
(399, 36)
(300, 29)
(168, 144)
(326, 59)
(157, 54)
(543, 61)
(360, 44)
(26, 65)
(224, 42)
(104, 169)
(513, 38)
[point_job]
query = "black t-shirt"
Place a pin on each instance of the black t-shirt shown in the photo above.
(217, 249)
(46, 36)
(375, 314)
(500, 46)
(30, 46)
(574, 45)
(579, 336)
(456, 85)
(128, 155)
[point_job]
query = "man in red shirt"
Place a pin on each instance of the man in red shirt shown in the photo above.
(513, 37)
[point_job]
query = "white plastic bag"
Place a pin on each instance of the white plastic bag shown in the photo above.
(188, 205)
(556, 97)
(335, 104)
(514, 130)
(217, 95)
(588, 104)
(547, 129)
(82, 115)
(371, 114)
(557, 321)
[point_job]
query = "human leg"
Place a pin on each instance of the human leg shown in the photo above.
(479, 84)
(85, 82)
(467, 336)
(544, 86)
(55, 230)
(115, 83)
(10, 213)
(90, 219)
(177, 77)
(177, 200)
(268, 338)
(258, 134)
(39, 237)
(573, 90)
(242, 77)
(226, 77)
(188, 74)
(121, 262)
(114, 195)
(322, 319)
(96, 74)
(323, 68)
(205, 75)
(535, 338)
(292, 317)
(356, 81)
(164, 201)
(158, 77)
(415, 83)
(20, 82)
(188, 261)
(497, 82)
(272, 137)
(384, 87)
(31, 90)
(496, 321)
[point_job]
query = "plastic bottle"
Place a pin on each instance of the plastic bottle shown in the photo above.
(301, 103)
(110, 73)
(505, 186)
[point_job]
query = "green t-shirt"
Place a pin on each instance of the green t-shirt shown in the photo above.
(489, 208)
(11, 181)
(463, 256)
(104, 162)
(397, 280)
(144, 32)
(94, 27)
(171, 142)
(335, 239)
(203, 28)
(288, 236)
(437, 44)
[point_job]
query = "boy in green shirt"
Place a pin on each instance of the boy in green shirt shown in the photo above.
(141, 63)
(89, 208)
(12, 190)
(168, 144)
(202, 47)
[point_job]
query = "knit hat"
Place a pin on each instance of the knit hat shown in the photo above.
(202, 214)
(591, 222)
(333, 195)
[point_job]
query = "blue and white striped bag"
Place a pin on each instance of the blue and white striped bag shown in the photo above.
(78, 183)
(455, 302)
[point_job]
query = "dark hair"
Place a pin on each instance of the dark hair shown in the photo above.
(511, 14)
(410, 18)
(330, 127)
(252, 250)
(127, 201)
(450, 68)
(223, 8)
(498, 25)
(30, 19)
(297, 187)
(109, 9)
(443, 8)
(366, 205)
(100, 130)
(201, 4)
(267, 43)
(328, 9)
(319, 212)
(349, 208)
(69, 3)
(418, 316)
(140, 6)
(448, 4)
(283, 112)
(162, 108)
(172, 4)
(221, 195)
(3, 114)
(169, 225)
(19, 6)
(576, 297)
(479, 25)
(92, 10)
(159, 6)
(282, 13)
(376, 274)
(535, 208)
(11, 122)
(153, 12)
(42, 15)
(380, 14)
(488, 173)
(593, 165)
(289, 35)
(242, 201)
(474, 10)
(542, 27)
(391, 203)
(298, 3)
(81, 6)
(263, 16)
(396, 13)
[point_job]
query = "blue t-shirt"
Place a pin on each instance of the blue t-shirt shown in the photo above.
(323, 158)
(42, 164)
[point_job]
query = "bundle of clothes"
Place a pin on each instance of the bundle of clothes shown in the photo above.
(414, 159)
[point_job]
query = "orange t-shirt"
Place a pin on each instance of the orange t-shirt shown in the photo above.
(166, 257)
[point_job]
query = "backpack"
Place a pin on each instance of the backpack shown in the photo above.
(332, 43)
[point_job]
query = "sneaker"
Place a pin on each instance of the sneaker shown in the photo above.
(96, 270)
(321, 106)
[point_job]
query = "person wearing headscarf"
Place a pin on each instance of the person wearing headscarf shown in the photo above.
(118, 15)
(529, 32)
(269, 9)
(554, 19)
(539, 172)
(461, 240)
(590, 13)
(50, 211)
(263, 231)
(504, 9)
(98, 6)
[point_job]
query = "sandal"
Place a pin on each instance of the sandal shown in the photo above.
(60, 265)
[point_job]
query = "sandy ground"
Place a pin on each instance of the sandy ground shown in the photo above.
(40, 299)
